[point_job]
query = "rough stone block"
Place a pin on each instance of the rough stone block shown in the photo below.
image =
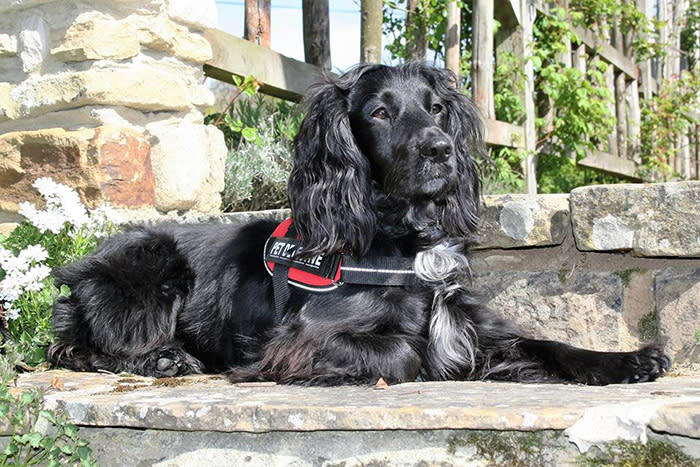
(33, 42)
(125, 164)
(677, 296)
(7, 105)
(97, 39)
(164, 35)
(585, 310)
(8, 45)
(139, 86)
(188, 164)
(650, 220)
(103, 164)
(512, 221)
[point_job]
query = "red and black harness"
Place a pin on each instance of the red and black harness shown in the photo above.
(324, 273)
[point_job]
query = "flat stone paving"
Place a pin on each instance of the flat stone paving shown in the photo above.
(209, 403)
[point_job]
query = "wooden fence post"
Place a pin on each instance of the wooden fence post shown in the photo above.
(527, 15)
(257, 22)
(317, 42)
(416, 42)
(482, 57)
(371, 31)
(452, 38)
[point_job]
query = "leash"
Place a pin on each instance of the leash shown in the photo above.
(325, 273)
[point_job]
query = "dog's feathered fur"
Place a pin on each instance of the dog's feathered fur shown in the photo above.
(384, 165)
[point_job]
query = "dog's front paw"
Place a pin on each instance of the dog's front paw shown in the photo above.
(174, 362)
(646, 364)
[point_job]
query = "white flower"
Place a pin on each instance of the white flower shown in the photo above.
(23, 273)
(63, 206)
(10, 312)
(36, 253)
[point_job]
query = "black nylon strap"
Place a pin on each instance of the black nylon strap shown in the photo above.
(280, 287)
(378, 270)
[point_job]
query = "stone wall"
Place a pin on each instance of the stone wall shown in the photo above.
(108, 97)
(608, 267)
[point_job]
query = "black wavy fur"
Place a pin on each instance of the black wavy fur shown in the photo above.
(384, 165)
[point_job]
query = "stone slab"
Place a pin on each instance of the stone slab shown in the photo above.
(677, 300)
(516, 221)
(209, 403)
(584, 310)
(649, 220)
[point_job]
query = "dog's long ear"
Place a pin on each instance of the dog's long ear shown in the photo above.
(464, 124)
(329, 187)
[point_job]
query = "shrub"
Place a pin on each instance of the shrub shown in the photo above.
(259, 133)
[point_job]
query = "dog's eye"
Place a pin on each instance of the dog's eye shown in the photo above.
(435, 109)
(381, 114)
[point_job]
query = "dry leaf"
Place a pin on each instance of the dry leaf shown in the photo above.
(381, 385)
(56, 384)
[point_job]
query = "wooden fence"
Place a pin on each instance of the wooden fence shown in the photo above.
(287, 78)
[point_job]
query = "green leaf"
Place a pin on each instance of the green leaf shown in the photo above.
(249, 134)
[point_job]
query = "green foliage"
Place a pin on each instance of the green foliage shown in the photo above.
(31, 445)
(430, 21)
(654, 453)
(259, 160)
(598, 14)
(665, 117)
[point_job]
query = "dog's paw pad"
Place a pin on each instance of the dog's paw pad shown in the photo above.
(167, 366)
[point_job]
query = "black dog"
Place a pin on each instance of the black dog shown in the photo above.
(384, 168)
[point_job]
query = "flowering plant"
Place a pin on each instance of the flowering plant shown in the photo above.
(61, 232)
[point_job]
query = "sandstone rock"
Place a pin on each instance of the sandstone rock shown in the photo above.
(511, 221)
(98, 39)
(125, 164)
(166, 36)
(33, 42)
(584, 311)
(140, 87)
(201, 15)
(188, 164)
(677, 295)
(104, 164)
(8, 45)
(7, 105)
(650, 220)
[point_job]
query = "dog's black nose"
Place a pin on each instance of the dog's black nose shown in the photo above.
(437, 147)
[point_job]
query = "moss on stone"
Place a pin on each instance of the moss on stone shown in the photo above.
(508, 448)
(649, 327)
(654, 453)
(626, 275)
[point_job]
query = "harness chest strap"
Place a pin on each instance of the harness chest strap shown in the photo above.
(324, 273)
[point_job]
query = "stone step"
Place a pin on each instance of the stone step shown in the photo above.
(198, 420)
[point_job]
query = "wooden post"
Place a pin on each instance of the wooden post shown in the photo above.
(528, 11)
(317, 42)
(371, 31)
(620, 93)
(452, 40)
(416, 45)
(257, 22)
(634, 120)
(482, 56)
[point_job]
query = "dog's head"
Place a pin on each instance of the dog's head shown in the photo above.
(379, 139)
